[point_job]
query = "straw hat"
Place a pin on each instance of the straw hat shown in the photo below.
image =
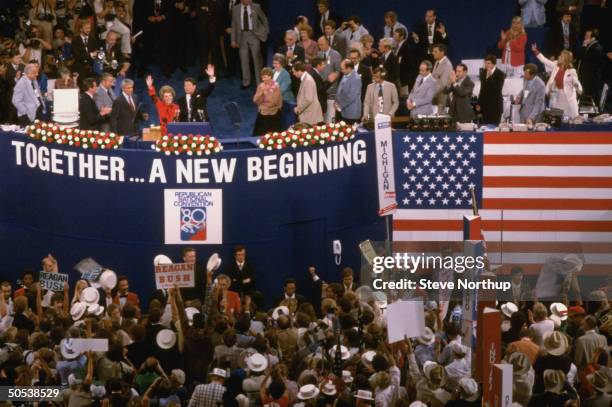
(95, 309)
(90, 295)
(364, 395)
(214, 262)
(308, 392)
(458, 348)
(78, 310)
(67, 351)
(190, 312)
(218, 372)
(601, 379)
(347, 377)
(343, 351)
(257, 362)
(555, 343)
(108, 279)
(278, 311)
(367, 357)
(428, 338)
(509, 308)
(161, 259)
(430, 367)
(165, 339)
(469, 387)
(520, 363)
(554, 380)
(417, 404)
(329, 388)
(559, 310)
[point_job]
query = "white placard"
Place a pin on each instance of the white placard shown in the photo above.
(91, 344)
(405, 319)
(179, 274)
(384, 165)
(52, 281)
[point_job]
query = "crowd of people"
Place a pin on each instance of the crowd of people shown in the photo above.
(327, 69)
(222, 343)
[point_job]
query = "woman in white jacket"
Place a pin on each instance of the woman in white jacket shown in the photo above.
(563, 86)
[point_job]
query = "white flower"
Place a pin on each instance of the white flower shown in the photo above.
(198, 152)
(167, 152)
(189, 152)
(217, 149)
(84, 145)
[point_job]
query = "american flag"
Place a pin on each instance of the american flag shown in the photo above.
(541, 194)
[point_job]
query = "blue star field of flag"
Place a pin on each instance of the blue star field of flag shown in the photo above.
(437, 170)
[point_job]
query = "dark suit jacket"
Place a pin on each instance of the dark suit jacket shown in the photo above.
(237, 275)
(113, 54)
(298, 53)
(83, 64)
(461, 104)
(123, 119)
(391, 65)
(554, 39)
(90, 115)
(321, 88)
(198, 102)
(590, 69)
(213, 19)
(423, 37)
(11, 73)
(490, 97)
(408, 63)
(365, 73)
(316, 23)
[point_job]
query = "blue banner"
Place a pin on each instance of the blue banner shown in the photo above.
(123, 207)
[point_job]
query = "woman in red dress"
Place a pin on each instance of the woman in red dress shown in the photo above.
(167, 110)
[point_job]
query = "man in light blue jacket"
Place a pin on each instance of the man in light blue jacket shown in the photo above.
(425, 87)
(27, 96)
(533, 12)
(348, 96)
(533, 97)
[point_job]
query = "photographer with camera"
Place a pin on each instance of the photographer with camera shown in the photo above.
(34, 47)
(113, 60)
(42, 14)
(107, 16)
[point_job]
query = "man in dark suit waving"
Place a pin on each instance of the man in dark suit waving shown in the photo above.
(429, 33)
(91, 118)
(193, 107)
(126, 111)
(460, 87)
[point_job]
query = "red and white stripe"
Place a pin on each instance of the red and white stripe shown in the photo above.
(543, 194)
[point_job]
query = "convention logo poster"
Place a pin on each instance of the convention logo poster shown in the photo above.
(193, 216)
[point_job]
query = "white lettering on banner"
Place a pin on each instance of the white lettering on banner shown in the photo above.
(384, 165)
(93, 166)
(104, 167)
(179, 274)
(302, 163)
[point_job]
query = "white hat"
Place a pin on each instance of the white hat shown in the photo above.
(367, 357)
(469, 388)
(95, 309)
(179, 375)
(428, 366)
(428, 338)
(66, 350)
(601, 379)
(280, 310)
(78, 310)
(161, 259)
(257, 362)
(308, 392)
(90, 295)
(364, 395)
(347, 377)
(329, 388)
(555, 343)
(509, 308)
(190, 312)
(458, 348)
(108, 279)
(344, 352)
(417, 404)
(166, 338)
(554, 380)
(559, 310)
(214, 262)
(380, 298)
(218, 372)
(575, 260)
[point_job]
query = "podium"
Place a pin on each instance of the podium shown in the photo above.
(199, 128)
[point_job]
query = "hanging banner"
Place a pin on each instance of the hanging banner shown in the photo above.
(384, 165)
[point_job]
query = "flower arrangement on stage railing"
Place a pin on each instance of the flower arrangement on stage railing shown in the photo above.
(189, 144)
(54, 134)
(313, 136)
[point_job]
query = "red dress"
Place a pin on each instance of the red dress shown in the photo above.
(517, 49)
(166, 113)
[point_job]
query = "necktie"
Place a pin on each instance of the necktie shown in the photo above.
(431, 30)
(420, 81)
(245, 19)
(110, 95)
(352, 35)
(436, 65)
(380, 99)
(131, 103)
(330, 40)
(85, 42)
(380, 91)
(489, 73)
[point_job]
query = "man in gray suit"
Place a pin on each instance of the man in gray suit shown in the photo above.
(533, 96)
(381, 97)
(348, 97)
(105, 96)
(330, 73)
(425, 87)
(249, 30)
(460, 88)
(441, 72)
(27, 96)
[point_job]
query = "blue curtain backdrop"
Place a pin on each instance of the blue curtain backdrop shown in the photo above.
(286, 225)
(473, 25)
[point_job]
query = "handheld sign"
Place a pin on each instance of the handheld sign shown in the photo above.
(90, 269)
(405, 319)
(179, 274)
(52, 281)
(90, 344)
